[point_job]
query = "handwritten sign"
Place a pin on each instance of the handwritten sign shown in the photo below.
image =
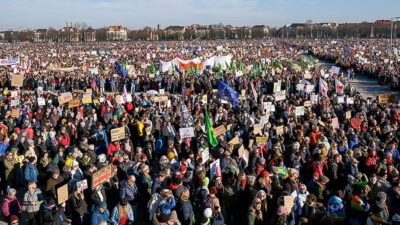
(387, 98)
(205, 155)
(74, 103)
(288, 202)
(348, 115)
(279, 130)
(87, 98)
(261, 141)
(15, 113)
(219, 130)
(41, 101)
(161, 99)
(299, 111)
(355, 122)
(62, 194)
(204, 99)
(186, 132)
(234, 141)
(335, 123)
(82, 185)
(117, 134)
(257, 129)
(17, 80)
(101, 176)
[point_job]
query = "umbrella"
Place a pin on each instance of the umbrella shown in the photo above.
(152, 92)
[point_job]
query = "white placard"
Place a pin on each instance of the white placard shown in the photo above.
(205, 155)
(310, 88)
(186, 132)
(161, 91)
(350, 101)
(41, 102)
(277, 87)
(299, 87)
(299, 111)
(340, 99)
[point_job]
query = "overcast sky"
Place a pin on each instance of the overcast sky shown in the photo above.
(134, 14)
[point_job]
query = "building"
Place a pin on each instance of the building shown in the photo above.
(117, 33)
(40, 35)
(69, 34)
(218, 31)
(382, 22)
(259, 31)
(174, 33)
(89, 35)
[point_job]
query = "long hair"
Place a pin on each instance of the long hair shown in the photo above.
(123, 210)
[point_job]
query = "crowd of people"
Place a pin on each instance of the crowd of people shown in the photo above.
(266, 137)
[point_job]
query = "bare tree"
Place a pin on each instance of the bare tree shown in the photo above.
(84, 26)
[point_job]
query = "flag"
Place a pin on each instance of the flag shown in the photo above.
(312, 60)
(177, 70)
(278, 64)
(120, 70)
(124, 94)
(303, 63)
(210, 131)
(227, 93)
(339, 86)
(227, 66)
(219, 69)
(323, 87)
(153, 68)
(173, 68)
(259, 68)
(346, 51)
(241, 65)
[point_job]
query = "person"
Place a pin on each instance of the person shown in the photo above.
(122, 213)
(255, 215)
(14, 220)
(78, 207)
(185, 208)
(11, 205)
(51, 214)
(52, 182)
(99, 213)
(31, 171)
(130, 192)
(33, 198)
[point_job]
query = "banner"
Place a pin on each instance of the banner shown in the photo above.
(8, 62)
(74, 103)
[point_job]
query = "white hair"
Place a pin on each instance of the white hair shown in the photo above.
(12, 191)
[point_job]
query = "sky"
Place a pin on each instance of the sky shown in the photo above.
(136, 14)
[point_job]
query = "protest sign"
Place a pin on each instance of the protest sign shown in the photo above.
(348, 115)
(65, 97)
(215, 169)
(41, 101)
(82, 185)
(261, 141)
(355, 122)
(17, 80)
(101, 176)
(14, 94)
(299, 87)
(387, 98)
(307, 103)
(280, 171)
(234, 141)
(88, 91)
(15, 113)
(161, 99)
(117, 134)
(350, 101)
(335, 123)
(279, 130)
(62, 194)
(87, 98)
(14, 102)
(310, 88)
(280, 96)
(204, 99)
(161, 91)
(340, 99)
(243, 92)
(219, 130)
(257, 129)
(277, 87)
(186, 132)
(299, 111)
(74, 103)
(205, 155)
(288, 202)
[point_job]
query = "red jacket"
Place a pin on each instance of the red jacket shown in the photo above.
(65, 140)
(112, 148)
(317, 168)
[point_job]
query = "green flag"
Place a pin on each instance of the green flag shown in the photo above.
(220, 69)
(153, 68)
(241, 65)
(173, 68)
(197, 68)
(278, 64)
(227, 66)
(312, 60)
(210, 131)
(259, 68)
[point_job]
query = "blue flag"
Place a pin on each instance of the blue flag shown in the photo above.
(227, 93)
(346, 51)
(120, 70)
(177, 70)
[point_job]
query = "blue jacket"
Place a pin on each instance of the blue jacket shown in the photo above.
(218, 221)
(115, 217)
(128, 192)
(31, 173)
(3, 147)
(185, 212)
(166, 207)
(98, 217)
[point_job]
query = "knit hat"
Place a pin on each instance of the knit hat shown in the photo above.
(13, 218)
(282, 210)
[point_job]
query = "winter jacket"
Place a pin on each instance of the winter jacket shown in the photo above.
(51, 216)
(35, 196)
(77, 205)
(31, 173)
(97, 217)
(185, 212)
(129, 192)
(166, 207)
(115, 215)
(51, 185)
(11, 207)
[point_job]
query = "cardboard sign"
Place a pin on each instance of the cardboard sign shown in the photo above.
(241, 151)
(161, 99)
(101, 176)
(17, 80)
(74, 103)
(387, 98)
(117, 134)
(186, 132)
(307, 104)
(219, 130)
(243, 92)
(204, 99)
(279, 130)
(288, 202)
(234, 141)
(257, 129)
(350, 101)
(87, 98)
(64, 98)
(62, 194)
(205, 155)
(15, 113)
(88, 91)
(348, 115)
(335, 123)
(14, 94)
(261, 141)
(82, 185)
(307, 76)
